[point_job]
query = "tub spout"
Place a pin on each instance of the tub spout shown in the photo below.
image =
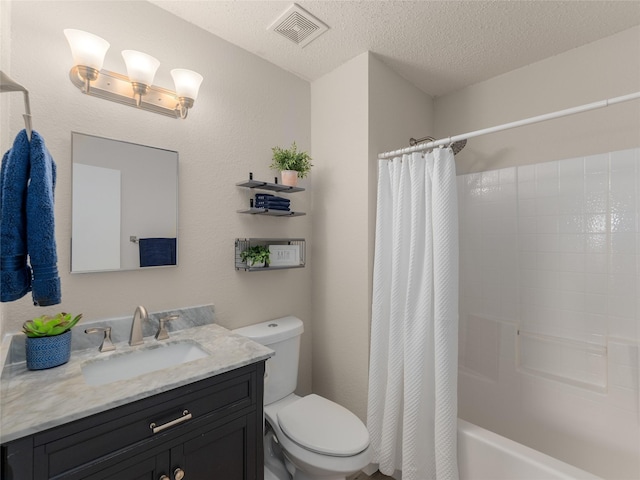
(139, 316)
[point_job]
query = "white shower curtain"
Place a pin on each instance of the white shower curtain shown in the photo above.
(412, 406)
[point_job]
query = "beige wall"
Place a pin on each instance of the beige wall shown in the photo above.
(246, 105)
(339, 135)
(604, 69)
(357, 111)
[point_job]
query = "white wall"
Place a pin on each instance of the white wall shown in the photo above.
(246, 106)
(550, 249)
(604, 69)
(358, 110)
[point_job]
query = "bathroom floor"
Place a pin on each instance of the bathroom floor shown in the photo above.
(364, 476)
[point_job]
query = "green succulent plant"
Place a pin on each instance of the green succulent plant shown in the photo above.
(46, 326)
(257, 254)
(291, 159)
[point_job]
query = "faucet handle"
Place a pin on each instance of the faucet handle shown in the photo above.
(162, 333)
(106, 345)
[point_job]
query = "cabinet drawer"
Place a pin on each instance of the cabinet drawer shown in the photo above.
(93, 439)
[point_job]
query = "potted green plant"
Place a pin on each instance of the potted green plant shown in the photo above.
(291, 163)
(256, 256)
(48, 342)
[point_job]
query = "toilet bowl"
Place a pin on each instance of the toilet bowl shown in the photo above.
(319, 438)
(306, 438)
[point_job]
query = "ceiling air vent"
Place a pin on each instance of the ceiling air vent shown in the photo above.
(298, 25)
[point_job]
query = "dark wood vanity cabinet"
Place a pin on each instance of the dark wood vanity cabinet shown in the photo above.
(210, 429)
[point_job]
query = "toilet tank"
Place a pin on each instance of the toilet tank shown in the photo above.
(281, 335)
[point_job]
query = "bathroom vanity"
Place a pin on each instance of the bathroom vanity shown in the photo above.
(197, 421)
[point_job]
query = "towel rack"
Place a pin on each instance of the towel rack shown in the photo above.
(9, 85)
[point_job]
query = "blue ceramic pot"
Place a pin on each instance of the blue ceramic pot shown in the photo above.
(48, 352)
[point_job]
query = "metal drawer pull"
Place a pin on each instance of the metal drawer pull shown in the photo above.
(185, 416)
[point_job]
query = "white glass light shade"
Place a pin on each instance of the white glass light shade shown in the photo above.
(187, 82)
(88, 50)
(141, 68)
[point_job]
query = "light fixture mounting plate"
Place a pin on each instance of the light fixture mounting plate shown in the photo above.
(117, 88)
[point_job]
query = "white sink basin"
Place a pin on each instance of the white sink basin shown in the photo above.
(138, 362)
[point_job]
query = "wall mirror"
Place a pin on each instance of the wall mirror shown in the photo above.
(124, 205)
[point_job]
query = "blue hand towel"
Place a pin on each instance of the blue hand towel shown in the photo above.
(15, 274)
(272, 207)
(41, 235)
(277, 204)
(157, 251)
(268, 196)
(274, 200)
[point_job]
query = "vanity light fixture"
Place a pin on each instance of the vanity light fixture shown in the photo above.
(136, 89)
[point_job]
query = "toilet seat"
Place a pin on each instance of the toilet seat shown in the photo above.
(324, 427)
(311, 462)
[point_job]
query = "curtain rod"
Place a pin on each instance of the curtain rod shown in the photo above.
(507, 126)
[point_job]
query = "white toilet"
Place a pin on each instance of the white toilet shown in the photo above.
(305, 438)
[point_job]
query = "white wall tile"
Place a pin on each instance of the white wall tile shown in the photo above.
(571, 169)
(507, 175)
(572, 282)
(560, 258)
(526, 173)
(624, 222)
(596, 164)
(596, 242)
(548, 224)
(622, 194)
(572, 243)
(526, 206)
(625, 160)
(572, 223)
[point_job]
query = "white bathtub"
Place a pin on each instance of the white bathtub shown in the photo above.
(484, 455)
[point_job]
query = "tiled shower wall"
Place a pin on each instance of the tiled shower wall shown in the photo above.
(550, 307)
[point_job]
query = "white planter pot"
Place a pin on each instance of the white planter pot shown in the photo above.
(289, 177)
(251, 263)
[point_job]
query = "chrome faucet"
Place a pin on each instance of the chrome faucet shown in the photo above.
(139, 316)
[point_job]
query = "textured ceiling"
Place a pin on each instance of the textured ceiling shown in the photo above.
(439, 46)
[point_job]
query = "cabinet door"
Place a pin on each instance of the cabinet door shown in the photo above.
(139, 467)
(226, 452)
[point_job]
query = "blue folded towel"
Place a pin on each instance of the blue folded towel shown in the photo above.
(272, 200)
(15, 274)
(267, 196)
(155, 252)
(41, 235)
(272, 207)
(277, 204)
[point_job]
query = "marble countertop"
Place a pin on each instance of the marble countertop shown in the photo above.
(33, 401)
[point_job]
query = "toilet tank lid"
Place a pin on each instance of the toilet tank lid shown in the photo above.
(273, 331)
